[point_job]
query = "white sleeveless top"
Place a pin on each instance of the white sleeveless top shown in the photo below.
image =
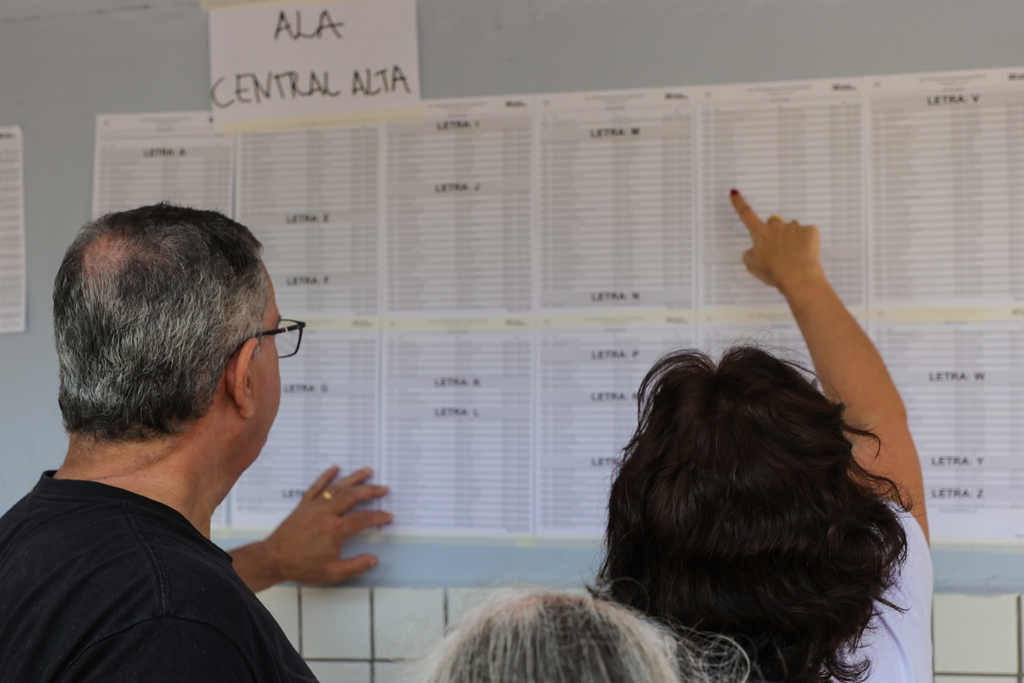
(899, 644)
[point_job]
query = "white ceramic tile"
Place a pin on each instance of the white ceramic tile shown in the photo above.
(406, 621)
(336, 623)
(389, 672)
(975, 634)
(283, 604)
(341, 672)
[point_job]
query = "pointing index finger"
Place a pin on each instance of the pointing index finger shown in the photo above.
(750, 219)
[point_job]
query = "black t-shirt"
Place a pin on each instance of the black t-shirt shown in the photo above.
(100, 584)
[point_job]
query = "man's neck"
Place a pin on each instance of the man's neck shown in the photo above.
(162, 469)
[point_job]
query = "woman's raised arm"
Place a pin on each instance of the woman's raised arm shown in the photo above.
(786, 256)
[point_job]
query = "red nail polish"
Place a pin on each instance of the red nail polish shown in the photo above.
(734, 192)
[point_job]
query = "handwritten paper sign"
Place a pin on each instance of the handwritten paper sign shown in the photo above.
(293, 61)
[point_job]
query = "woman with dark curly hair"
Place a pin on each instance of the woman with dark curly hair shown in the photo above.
(751, 504)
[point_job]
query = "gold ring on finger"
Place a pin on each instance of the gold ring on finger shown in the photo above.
(327, 495)
(775, 217)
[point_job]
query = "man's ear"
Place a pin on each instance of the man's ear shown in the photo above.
(238, 382)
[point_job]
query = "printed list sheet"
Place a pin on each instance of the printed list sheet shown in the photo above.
(487, 284)
(12, 232)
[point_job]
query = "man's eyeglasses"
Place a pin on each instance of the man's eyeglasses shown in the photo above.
(289, 336)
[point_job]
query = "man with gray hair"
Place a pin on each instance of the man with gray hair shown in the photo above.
(168, 337)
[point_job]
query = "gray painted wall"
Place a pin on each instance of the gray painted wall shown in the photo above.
(62, 62)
